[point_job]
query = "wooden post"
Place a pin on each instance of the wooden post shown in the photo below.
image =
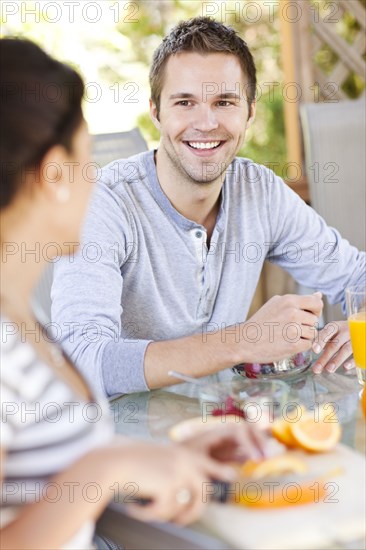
(291, 108)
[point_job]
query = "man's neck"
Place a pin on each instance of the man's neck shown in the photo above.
(197, 202)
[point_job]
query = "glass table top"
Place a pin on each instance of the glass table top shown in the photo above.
(150, 415)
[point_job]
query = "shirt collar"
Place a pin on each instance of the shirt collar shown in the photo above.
(165, 204)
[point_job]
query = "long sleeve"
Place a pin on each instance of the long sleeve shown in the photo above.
(312, 252)
(86, 299)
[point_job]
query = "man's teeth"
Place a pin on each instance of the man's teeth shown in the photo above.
(200, 145)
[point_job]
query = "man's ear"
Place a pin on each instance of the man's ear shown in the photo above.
(154, 114)
(253, 108)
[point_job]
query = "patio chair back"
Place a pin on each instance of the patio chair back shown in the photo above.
(106, 148)
(334, 140)
(109, 147)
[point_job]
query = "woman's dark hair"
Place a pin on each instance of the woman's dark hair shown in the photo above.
(40, 106)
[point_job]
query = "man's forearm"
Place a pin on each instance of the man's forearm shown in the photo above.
(283, 326)
(196, 356)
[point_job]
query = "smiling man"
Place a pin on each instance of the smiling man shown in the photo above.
(175, 239)
(202, 126)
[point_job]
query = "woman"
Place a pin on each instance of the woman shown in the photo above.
(61, 461)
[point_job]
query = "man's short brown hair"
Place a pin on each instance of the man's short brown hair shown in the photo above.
(202, 35)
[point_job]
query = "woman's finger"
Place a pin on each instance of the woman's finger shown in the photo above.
(260, 440)
(331, 331)
(331, 347)
(193, 509)
(336, 361)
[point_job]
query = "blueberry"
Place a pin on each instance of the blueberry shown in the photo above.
(266, 369)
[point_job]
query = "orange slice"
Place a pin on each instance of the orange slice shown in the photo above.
(289, 495)
(281, 428)
(316, 435)
(315, 431)
(274, 466)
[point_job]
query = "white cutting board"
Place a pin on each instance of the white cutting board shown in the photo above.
(308, 526)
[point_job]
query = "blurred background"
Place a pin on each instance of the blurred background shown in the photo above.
(310, 56)
(111, 44)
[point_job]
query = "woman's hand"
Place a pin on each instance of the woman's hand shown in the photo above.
(172, 477)
(333, 342)
(231, 442)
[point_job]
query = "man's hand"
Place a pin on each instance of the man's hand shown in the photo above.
(282, 327)
(285, 325)
(333, 342)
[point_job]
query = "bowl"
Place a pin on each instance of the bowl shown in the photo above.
(285, 368)
(259, 401)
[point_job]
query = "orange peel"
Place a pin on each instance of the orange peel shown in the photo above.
(289, 495)
(275, 466)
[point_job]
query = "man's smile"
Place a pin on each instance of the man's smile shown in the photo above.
(204, 148)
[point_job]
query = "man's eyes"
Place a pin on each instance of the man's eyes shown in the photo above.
(224, 103)
(184, 103)
(188, 103)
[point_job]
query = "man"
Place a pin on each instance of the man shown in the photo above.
(176, 238)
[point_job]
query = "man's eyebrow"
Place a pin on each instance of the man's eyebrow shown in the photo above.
(225, 95)
(229, 95)
(181, 95)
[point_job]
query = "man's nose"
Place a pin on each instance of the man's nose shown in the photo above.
(205, 119)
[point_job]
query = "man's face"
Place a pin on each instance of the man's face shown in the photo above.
(203, 114)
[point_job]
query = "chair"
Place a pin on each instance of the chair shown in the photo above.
(334, 140)
(133, 534)
(106, 148)
(109, 147)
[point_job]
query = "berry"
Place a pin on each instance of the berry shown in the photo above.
(230, 407)
(252, 369)
(299, 359)
(266, 369)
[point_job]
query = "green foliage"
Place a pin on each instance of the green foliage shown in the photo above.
(266, 138)
(150, 133)
(347, 27)
(113, 53)
(267, 145)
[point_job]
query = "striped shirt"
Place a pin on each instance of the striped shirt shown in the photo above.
(45, 427)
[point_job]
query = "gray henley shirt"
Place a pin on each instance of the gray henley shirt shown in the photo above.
(144, 273)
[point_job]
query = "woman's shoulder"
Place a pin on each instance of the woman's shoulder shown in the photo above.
(16, 353)
(22, 372)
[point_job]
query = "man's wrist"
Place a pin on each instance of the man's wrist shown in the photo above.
(232, 346)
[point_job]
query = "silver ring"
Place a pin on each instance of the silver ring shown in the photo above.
(183, 496)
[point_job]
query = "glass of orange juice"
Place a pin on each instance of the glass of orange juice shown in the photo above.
(356, 313)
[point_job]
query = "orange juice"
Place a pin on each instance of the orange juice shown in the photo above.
(357, 327)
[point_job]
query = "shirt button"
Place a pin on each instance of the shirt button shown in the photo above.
(198, 234)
